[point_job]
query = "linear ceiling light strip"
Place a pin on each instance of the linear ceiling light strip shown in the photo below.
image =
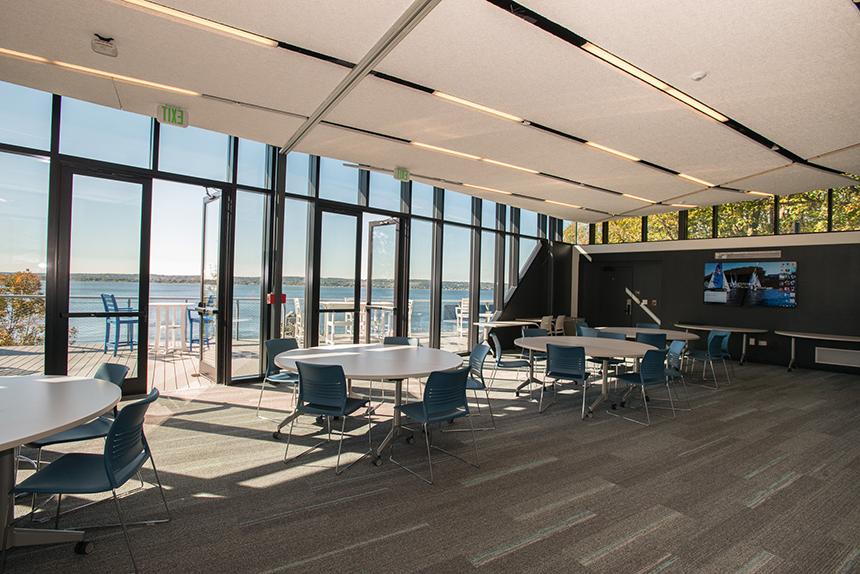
(399, 30)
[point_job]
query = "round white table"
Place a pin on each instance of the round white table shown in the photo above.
(671, 335)
(595, 347)
(743, 331)
(33, 407)
(373, 362)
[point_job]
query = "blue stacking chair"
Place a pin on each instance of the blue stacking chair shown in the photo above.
(656, 340)
(126, 451)
(397, 340)
(444, 400)
(565, 364)
(674, 370)
(193, 318)
(110, 305)
(713, 351)
(725, 354)
(534, 332)
(475, 382)
(505, 364)
(96, 428)
(586, 331)
(652, 372)
(647, 325)
(274, 374)
(322, 392)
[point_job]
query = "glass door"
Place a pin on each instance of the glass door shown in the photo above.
(101, 281)
(206, 325)
(379, 311)
(338, 287)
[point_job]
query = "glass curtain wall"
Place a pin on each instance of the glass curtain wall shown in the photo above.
(294, 268)
(420, 273)
(456, 263)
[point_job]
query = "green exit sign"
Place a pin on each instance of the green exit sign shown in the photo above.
(173, 115)
(401, 173)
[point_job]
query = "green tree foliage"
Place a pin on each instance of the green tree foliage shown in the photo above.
(846, 208)
(575, 233)
(699, 222)
(746, 218)
(21, 318)
(803, 212)
(663, 226)
(626, 230)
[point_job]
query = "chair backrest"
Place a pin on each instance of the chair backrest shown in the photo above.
(546, 323)
(565, 361)
(647, 325)
(534, 332)
(476, 360)
(445, 391)
(112, 373)
(559, 323)
(275, 347)
(322, 385)
(605, 335)
(583, 330)
(396, 340)
(657, 340)
(676, 350)
(126, 448)
(496, 346)
(715, 344)
(652, 368)
(109, 303)
(725, 343)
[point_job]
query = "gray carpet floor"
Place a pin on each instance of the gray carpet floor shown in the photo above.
(761, 476)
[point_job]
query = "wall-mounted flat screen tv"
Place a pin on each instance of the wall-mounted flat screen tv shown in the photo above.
(751, 284)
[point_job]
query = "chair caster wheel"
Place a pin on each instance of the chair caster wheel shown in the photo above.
(85, 547)
(320, 420)
(377, 461)
(410, 440)
(277, 435)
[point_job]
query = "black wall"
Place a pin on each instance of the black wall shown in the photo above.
(828, 297)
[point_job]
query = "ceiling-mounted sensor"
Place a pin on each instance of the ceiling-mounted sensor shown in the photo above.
(104, 46)
(697, 76)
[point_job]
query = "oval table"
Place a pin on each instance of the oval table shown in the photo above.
(742, 331)
(671, 335)
(33, 407)
(373, 362)
(595, 347)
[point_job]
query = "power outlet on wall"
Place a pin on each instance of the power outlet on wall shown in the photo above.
(762, 343)
(752, 341)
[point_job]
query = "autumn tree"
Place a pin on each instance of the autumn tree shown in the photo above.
(21, 314)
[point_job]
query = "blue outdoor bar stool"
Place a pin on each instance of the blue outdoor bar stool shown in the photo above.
(110, 306)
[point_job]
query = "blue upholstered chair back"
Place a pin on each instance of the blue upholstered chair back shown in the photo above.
(565, 362)
(607, 335)
(676, 349)
(323, 386)
(534, 332)
(652, 368)
(657, 340)
(476, 360)
(444, 392)
(393, 340)
(724, 346)
(715, 344)
(112, 373)
(126, 448)
(275, 347)
(647, 326)
(585, 331)
(497, 346)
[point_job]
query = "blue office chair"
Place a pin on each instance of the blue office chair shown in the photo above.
(444, 400)
(110, 306)
(652, 372)
(126, 451)
(274, 375)
(193, 318)
(565, 364)
(713, 351)
(725, 354)
(322, 392)
(601, 334)
(397, 340)
(534, 332)
(505, 364)
(647, 325)
(674, 370)
(586, 331)
(656, 340)
(475, 382)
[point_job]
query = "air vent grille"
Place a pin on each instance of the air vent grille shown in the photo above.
(748, 255)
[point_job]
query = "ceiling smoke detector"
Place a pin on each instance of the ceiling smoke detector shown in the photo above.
(104, 46)
(698, 76)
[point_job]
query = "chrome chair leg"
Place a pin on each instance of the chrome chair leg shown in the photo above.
(429, 458)
(160, 488)
(124, 530)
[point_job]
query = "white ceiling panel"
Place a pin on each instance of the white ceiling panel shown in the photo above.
(788, 70)
(381, 153)
(713, 197)
(343, 29)
(162, 50)
(651, 210)
(515, 67)
(395, 110)
(795, 178)
(846, 160)
(58, 81)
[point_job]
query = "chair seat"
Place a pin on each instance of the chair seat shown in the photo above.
(633, 379)
(75, 473)
(473, 384)
(415, 411)
(674, 373)
(610, 362)
(277, 378)
(700, 355)
(352, 405)
(97, 428)
(566, 376)
(512, 363)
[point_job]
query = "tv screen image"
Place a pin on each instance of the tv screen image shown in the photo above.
(751, 283)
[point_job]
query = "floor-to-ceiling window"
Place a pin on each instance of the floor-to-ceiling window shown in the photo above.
(456, 265)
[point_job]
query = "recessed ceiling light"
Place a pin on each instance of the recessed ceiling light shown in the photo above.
(626, 66)
(695, 179)
(563, 204)
(612, 151)
(683, 205)
(99, 73)
(445, 150)
(510, 165)
(692, 102)
(479, 107)
(639, 198)
(763, 194)
(203, 22)
(494, 190)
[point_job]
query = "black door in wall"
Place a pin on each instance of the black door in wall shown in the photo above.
(647, 285)
(616, 307)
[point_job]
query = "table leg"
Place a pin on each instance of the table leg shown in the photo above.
(395, 422)
(791, 362)
(743, 348)
(23, 536)
(604, 391)
(531, 378)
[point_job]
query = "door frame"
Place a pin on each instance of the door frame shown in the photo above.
(58, 276)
